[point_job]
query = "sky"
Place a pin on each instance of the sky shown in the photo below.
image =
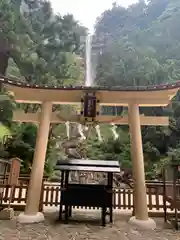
(86, 11)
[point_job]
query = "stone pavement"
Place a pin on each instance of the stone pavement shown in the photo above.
(86, 227)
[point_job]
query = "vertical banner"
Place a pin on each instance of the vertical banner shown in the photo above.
(13, 176)
(14, 171)
(89, 107)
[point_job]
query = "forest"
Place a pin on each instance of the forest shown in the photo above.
(140, 47)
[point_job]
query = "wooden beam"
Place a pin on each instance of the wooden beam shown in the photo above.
(108, 98)
(145, 120)
(20, 116)
(122, 102)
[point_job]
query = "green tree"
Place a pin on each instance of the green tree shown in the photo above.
(140, 47)
(39, 47)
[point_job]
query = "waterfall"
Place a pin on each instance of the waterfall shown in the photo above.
(89, 78)
(89, 81)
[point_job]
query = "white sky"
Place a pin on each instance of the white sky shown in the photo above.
(86, 11)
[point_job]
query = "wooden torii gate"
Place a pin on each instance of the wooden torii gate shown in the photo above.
(131, 97)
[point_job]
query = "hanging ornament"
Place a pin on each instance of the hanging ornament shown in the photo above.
(67, 129)
(113, 129)
(98, 131)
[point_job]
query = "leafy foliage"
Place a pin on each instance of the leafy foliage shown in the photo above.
(7, 105)
(139, 46)
(39, 47)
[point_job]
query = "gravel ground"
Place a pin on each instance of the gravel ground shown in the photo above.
(85, 225)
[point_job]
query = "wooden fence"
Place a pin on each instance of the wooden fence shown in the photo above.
(50, 196)
(23, 178)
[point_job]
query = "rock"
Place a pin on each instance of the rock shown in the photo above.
(7, 214)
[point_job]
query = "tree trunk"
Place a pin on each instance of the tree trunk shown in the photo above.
(5, 50)
(4, 58)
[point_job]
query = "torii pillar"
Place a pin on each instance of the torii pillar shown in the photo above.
(141, 218)
(32, 214)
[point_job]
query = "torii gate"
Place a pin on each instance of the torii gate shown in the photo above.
(132, 97)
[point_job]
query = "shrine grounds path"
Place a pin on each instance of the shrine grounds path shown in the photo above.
(84, 226)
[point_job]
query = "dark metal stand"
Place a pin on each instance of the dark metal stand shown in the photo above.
(86, 195)
(68, 199)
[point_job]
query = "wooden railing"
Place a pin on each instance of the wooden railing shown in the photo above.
(23, 178)
(50, 196)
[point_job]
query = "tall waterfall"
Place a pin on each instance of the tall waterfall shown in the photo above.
(89, 79)
(89, 82)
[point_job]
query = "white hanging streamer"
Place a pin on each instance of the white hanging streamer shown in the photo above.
(67, 129)
(98, 131)
(80, 130)
(113, 129)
